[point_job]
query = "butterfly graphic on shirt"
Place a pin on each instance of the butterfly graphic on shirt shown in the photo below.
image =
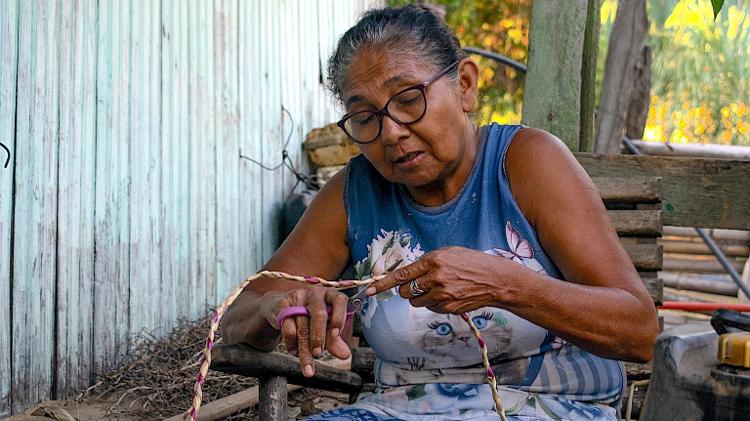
(520, 250)
(519, 247)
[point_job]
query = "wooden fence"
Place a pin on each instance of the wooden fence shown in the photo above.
(126, 205)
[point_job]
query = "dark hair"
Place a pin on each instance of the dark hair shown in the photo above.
(413, 30)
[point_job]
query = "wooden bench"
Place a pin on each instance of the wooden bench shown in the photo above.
(634, 205)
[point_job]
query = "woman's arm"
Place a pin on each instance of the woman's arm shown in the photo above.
(604, 307)
(317, 246)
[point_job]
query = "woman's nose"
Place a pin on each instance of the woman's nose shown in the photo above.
(392, 131)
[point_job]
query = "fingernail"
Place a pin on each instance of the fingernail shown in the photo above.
(370, 291)
(317, 350)
(307, 370)
(335, 332)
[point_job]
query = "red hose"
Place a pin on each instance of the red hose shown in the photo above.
(698, 306)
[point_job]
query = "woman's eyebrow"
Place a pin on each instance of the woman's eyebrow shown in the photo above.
(352, 100)
(395, 80)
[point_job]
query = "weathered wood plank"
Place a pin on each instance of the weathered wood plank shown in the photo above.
(112, 230)
(363, 363)
(251, 135)
(646, 223)
(629, 190)
(244, 360)
(35, 207)
(75, 267)
(175, 283)
(697, 192)
(201, 177)
(148, 112)
(228, 244)
(210, 114)
(552, 100)
(145, 174)
(271, 114)
(8, 77)
(645, 256)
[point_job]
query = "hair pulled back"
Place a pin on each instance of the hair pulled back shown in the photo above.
(413, 30)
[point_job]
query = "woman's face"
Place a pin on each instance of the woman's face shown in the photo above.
(430, 151)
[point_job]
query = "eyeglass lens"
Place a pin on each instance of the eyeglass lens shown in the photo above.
(406, 107)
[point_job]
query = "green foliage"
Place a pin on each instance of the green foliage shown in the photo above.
(717, 5)
(701, 72)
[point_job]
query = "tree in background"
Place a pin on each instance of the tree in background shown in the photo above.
(700, 71)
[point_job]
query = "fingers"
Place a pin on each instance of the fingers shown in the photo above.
(318, 321)
(400, 276)
(303, 345)
(289, 335)
(337, 346)
(338, 302)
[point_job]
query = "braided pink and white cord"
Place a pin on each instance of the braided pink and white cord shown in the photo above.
(205, 361)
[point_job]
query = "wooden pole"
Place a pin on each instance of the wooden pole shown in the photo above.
(716, 234)
(625, 53)
(588, 76)
(746, 280)
(273, 399)
(237, 402)
(696, 265)
(714, 284)
(552, 97)
(694, 150)
(694, 247)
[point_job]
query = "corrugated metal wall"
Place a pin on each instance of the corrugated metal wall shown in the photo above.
(126, 205)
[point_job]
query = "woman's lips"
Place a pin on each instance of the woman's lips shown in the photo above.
(410, 160)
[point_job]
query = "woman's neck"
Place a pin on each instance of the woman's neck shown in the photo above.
(449, 184)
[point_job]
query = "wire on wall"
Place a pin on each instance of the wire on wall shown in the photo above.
(7, 160)
(286, 160)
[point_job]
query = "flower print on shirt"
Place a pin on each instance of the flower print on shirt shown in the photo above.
(387, 252)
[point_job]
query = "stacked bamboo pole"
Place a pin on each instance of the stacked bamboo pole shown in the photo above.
(690, 265)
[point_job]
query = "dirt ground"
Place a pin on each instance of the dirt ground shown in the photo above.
(302, 403)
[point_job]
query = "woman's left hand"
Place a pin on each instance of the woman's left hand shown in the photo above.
(455, 280)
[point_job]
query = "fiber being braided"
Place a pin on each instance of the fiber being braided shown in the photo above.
(192, 413)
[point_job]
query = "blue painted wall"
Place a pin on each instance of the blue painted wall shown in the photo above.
(125, 205)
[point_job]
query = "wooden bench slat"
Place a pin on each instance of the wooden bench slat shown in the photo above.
(630, 223)
(247, 361)
(655, 287)
(645, 256)
(629, 189)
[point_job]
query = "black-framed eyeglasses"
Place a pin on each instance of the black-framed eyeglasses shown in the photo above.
(406, 107)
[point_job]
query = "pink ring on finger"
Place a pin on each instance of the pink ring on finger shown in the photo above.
(302, 311)
(291, 312)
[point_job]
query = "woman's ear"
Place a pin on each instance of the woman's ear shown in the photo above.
(468, 74)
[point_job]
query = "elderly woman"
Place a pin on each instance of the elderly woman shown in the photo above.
(499, 222)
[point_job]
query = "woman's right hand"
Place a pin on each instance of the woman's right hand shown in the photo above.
(305, 336)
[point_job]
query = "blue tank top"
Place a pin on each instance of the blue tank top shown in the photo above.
(388, 229)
